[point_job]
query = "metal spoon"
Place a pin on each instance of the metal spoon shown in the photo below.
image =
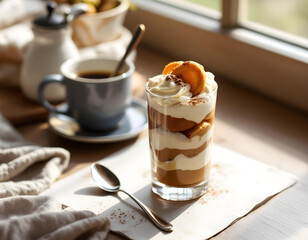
(131, 46)
(108, 181)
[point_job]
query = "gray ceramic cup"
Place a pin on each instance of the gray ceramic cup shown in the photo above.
(97, 104)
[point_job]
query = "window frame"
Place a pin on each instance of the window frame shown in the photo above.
(268, 65)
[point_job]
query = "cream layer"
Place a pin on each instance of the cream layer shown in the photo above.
(160, 139)
(195, 112)
(181, 162)
(168, 154)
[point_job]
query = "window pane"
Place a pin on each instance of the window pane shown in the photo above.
(210, 8)
(286, 15)
(212, 4)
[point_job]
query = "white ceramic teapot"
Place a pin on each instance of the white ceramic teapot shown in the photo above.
(51, 46)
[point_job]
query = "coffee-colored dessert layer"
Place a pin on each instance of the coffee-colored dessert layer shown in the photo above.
(168, 154)
(157, 119)
(182, 178)
(199, 129)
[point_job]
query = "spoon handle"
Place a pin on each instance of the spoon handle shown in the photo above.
(131, 46)
(158, 221)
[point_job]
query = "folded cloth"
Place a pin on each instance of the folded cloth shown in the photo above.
(14, 41)
(27, 169)
(39, 217)
(15, 35)
(15, 11)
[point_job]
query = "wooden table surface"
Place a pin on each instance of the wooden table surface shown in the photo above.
(245, 122)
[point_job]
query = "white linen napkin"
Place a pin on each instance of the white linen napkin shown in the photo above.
(15, 35)
(26, 169)
(15, 11)
(39, 217)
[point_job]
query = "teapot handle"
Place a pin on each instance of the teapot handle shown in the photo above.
(52, 78)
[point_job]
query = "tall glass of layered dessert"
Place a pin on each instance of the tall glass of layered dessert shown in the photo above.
(181, 110)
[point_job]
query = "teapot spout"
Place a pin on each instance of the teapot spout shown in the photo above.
(76, 10)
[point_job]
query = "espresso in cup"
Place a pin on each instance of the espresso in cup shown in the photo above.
(95, 75)
(94, 99)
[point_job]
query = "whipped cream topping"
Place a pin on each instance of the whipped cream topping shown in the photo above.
(171, 96)
(174, 90)
(169, 86)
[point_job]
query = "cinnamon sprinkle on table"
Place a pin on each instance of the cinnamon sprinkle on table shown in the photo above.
(119, 216)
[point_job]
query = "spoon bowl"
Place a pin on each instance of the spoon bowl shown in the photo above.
(109, 182)
(105, 179)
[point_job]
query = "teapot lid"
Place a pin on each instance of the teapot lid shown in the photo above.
(52, 20)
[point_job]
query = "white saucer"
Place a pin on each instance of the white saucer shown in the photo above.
(131, 125)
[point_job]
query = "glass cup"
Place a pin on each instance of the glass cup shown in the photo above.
(181, 149)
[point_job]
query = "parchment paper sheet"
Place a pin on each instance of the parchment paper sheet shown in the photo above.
(238, 184)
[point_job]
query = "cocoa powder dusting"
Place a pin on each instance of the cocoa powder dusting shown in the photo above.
(215, 189)
(176, 79)
(215, 165)
(212, 193)
(196, 101)
(146, 174)
(125, 217)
